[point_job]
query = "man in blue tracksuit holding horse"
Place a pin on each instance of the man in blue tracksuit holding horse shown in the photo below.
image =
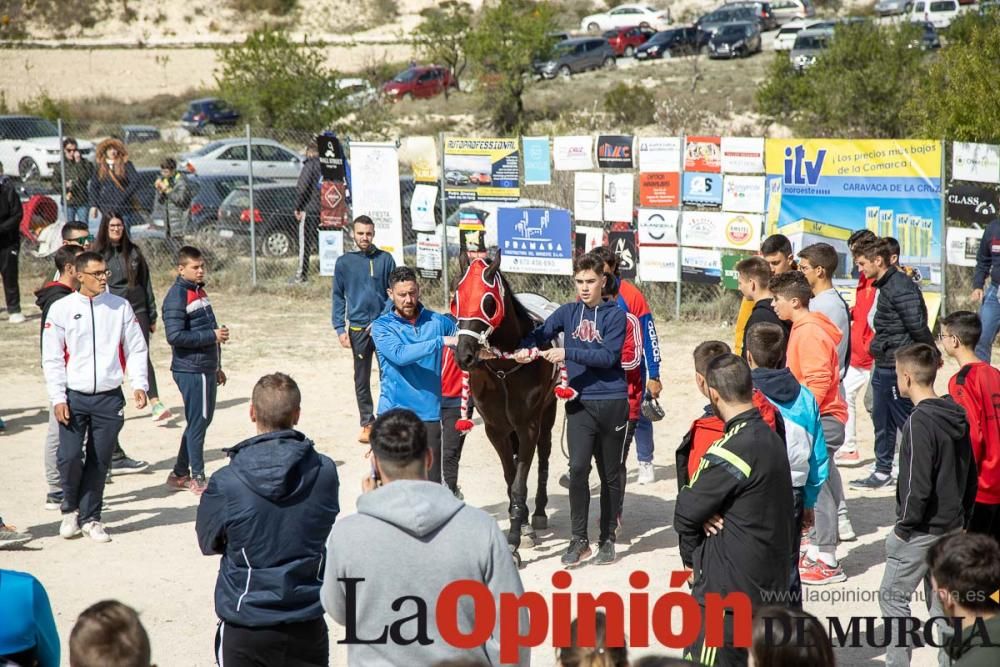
(409, 341)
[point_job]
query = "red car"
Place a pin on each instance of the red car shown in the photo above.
(419, 82)
(624, 40)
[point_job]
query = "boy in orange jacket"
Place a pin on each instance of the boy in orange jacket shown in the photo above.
(813, 358)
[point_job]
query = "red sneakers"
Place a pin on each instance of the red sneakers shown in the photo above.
(818, 573)
(175, 483)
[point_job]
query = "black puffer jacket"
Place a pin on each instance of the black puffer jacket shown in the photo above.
(900, 317)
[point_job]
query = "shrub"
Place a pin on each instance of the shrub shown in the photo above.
(630, 104)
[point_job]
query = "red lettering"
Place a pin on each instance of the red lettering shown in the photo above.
(663, 623)
(638, 610)
(586, 619)
(535, 625)
(562, 615)
(715, 610)
(447, 613)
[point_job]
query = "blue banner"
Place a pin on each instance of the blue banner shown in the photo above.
(537, 168)
(702, 189)
(535, 240)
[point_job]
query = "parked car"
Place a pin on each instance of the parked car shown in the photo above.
(712, 21)
(574, 56)
(419, 83)
(673, 43)
(207, 193)
(735, 40)
(928, 40)
(785, 39)
(136, 134)
(939, 13)
(789, 10)
(890, 7)
(762, 10)
(206, 115)
(357, 92)
(626, 15)
(30, 149)
(989, 7)
(229, 157)
(624, 41)
(808, 45)
(275, 228)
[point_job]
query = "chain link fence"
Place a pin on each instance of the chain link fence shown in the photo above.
(218, 164)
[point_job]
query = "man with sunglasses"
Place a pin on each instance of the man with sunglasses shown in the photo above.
(83, 336)
(78, 174)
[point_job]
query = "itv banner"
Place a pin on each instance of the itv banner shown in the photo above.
(822, 190)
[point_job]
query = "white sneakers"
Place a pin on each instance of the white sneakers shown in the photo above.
(70, 528)
(646, 473)
(16, 318)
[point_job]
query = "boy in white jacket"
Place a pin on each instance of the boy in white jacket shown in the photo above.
(83, 337)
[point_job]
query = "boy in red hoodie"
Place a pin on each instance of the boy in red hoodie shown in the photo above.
(976, 387)
(813, 359)
(709, 427)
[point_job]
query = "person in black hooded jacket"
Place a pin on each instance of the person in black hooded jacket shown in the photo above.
(269, 513)
(936, 490)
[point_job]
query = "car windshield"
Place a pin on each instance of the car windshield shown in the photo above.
(789, 31)
(208, 148)
(27, 128)
(810, 42)
(610, 34)
(406, 77)
(562, 49)
(942, 6)
(731, 30)
(661, 37)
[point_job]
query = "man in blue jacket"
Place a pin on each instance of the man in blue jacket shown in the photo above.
(598, 419)
(409, 341)
(269, 513)
(988, 264)
(360, 281)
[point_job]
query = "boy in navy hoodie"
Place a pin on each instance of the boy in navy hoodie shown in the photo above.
(598, 418)
(195, 338)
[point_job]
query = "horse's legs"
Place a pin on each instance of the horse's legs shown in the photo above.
(539, 519)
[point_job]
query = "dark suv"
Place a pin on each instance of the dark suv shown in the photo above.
(576, 55)
(205, 115)
(273, 216)
(673, 43)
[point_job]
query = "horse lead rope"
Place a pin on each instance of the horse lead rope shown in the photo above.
(562, 391)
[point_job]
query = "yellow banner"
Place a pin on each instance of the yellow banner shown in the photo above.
(866, 158)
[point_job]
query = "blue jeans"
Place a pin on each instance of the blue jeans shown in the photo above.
(77, 213)
(644, 440)
(889, 412)
(989, 313)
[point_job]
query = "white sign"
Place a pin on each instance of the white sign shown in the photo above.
(963, 244)
(572, 153)
(712, 229)
(592, 237)
(659, 264)
(742, 155)
(744, 194)
(375, 189)
(331, 247)
(657, 227)
(619, 196)
(422, 207)
(429, 255)
(660, 154)
(975, 162)
(588, 197)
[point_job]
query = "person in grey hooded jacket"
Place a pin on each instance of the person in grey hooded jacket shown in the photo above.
(409, 539)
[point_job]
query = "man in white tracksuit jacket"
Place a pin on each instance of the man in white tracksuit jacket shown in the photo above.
(90, 336)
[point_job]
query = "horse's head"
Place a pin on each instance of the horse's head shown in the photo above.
(479, 306)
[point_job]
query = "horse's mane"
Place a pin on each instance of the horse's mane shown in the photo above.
(519, 310)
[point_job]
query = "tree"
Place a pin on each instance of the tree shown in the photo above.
(959, 98)
(279, 83)
(508, 37)
(859, 86)
(441, 36)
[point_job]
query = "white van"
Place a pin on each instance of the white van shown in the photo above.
(939, 13)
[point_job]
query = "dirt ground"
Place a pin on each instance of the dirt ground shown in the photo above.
(154, 564)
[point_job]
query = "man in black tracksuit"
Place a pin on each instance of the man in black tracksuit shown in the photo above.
(598, 419)
(306, 205)
(741, 495)
(900, 320)
(10, 245)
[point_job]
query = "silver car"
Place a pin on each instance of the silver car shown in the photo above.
(890, 7)
(228, 157)
(808, 45)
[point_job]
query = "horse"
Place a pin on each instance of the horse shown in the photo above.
(516, 401)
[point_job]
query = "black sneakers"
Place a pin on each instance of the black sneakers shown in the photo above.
(127, 466)
(876, 480)
(605, 553)
(578, 550)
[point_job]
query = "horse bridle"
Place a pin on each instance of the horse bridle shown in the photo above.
(494, 289)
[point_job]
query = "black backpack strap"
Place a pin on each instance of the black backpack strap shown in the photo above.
(847, 358)
(962, 374)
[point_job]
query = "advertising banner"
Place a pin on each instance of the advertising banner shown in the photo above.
(429, 255)
(975, 162)
(730, 278)
(537, 169)
(742, 155)
(660, 154)
(963, 244)
(375, 190)
(588, 196)
(659, 264)
(422, 205)
(573, 153)
(623, 245)
(702, 189)
(745, 194)
(619, 195)
(615, 151)
(970, 202)
(703, 154)
(657, 227)
(822, 190)
(710, 229)
(331, 158)
(535, 240)
(482, 169)
(333, 210)
(331, 247)
(471, 234)
(658, 189)
(587, 238)
(422, 155)
(701, 266)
